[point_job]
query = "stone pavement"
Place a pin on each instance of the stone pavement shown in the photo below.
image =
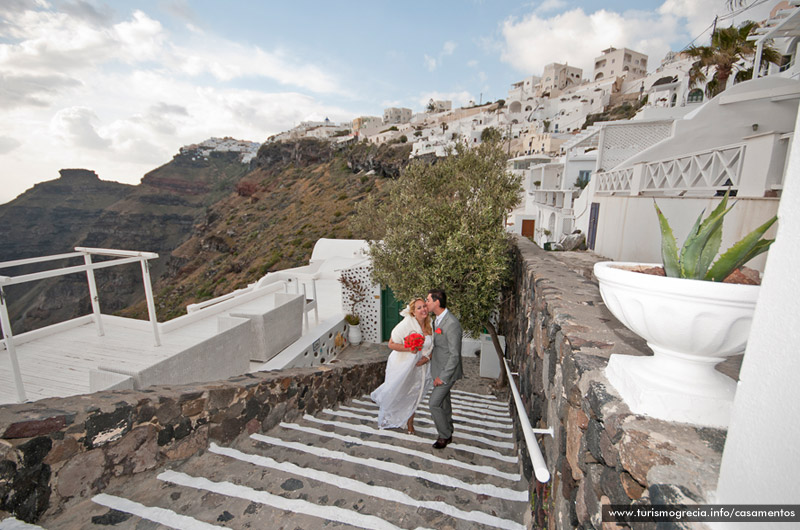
(333, 470)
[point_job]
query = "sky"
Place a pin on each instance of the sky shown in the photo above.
(118, 87)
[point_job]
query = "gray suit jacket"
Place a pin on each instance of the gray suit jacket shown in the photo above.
(446, 356)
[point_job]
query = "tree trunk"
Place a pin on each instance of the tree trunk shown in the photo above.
(501, 381)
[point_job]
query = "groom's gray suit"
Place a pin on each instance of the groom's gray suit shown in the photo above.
(446, 365)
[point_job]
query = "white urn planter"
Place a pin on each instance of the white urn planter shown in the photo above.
(691, 326)
(354, 334)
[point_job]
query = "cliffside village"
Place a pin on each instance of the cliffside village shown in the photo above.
(565, 138)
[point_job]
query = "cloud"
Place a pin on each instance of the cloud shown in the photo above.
(8, 144)
(60, 42)
(165, 108)
(551, 34)
(576, 37)
(551, 5)
(181, 10)
(32, 90)
(54, 41)
(88, 12)
(75, 126)
(430, 63)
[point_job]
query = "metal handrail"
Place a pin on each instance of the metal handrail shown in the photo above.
(539, 465)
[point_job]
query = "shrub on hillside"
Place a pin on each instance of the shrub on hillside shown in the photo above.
(246, 189)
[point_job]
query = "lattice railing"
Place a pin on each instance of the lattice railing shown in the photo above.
(612, 181)
(704, 171)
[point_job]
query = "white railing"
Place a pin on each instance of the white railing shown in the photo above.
(537, 460)
(121, 257)
(702, 171)
(614, 181)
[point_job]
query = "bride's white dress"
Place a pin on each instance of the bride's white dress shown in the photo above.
(405, 383)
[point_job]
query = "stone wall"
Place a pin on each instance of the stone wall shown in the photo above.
(62, 450)
(559, 337)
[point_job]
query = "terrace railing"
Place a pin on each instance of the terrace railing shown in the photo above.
(753, 168)
(119, 257)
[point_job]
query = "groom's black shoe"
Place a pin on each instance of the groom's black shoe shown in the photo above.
(441, 443)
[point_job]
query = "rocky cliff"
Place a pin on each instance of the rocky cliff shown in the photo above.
(216, 223)
(79, 209)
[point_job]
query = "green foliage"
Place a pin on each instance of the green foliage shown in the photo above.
(442, 226)
(729, 47)
(491, 134)
(702, 245)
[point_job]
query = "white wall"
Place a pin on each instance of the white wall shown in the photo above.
(716, 125)
(627, 228)
(761, 461)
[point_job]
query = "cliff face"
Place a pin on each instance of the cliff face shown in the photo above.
(387, 160)
(298, 193)
(79, 209)
(217, 225)
(50, 217)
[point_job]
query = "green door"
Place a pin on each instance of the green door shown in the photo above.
(390, 312)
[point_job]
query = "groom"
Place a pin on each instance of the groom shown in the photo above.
(445, 364)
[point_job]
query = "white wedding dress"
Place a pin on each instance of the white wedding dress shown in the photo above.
(405, 383)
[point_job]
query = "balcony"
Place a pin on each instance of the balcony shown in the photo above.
(753, 168)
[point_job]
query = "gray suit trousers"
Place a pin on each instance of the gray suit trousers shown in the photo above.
(442, 410)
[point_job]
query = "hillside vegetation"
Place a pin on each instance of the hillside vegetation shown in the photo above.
(217, 224)
(298, 193)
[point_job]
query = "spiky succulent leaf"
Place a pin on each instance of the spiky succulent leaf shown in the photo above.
(682, 260)
(669, 247)
(746, 249)
(696, 244)
(715, 238)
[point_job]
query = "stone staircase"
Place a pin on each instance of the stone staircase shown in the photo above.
(332, 470)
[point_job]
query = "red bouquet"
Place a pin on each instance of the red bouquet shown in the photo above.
(414, 341)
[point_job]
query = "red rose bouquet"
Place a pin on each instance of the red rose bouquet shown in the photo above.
(414, 341)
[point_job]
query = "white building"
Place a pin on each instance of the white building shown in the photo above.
(439, 106)
(557, 77)
(396, 115)
(738, 140)
(620, 63)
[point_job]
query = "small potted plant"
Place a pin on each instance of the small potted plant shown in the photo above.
(354, 293)
(354, 330)
(693, 314)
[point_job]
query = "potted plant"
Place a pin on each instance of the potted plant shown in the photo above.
(692, 313)
(354, 330)
(354, 293)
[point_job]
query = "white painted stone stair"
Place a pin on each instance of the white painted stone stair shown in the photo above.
(332, 470)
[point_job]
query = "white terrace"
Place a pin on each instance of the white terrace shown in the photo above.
(288, 318)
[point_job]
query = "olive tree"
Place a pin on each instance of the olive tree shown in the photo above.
(442, 226)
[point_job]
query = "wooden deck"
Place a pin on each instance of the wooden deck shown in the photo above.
(58, 365)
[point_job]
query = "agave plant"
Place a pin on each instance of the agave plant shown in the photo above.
(702, 245)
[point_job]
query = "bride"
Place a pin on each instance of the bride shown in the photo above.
(407, 372)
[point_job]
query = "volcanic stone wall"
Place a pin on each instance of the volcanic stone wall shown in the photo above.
(64, 450)
(559, 336)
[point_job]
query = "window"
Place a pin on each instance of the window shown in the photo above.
(584, 175)
(695, 96)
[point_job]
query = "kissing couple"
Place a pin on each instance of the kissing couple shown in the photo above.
(426, 351)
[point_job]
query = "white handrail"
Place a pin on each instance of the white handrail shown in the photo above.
(539, 465)
(121, 257)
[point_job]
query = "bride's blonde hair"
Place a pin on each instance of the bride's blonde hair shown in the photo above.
(427, 325)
